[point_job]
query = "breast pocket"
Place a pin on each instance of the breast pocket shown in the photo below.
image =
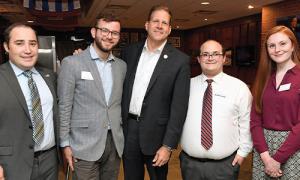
(6, 150)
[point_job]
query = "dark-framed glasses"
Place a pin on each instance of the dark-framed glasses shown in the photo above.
(212, 55)
(105, 32)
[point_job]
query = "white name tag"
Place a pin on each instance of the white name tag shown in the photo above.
(285, 87)
(86, 75)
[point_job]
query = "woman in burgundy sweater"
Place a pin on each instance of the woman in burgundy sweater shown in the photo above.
(275, 114)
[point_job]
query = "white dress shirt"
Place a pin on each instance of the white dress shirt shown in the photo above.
(46, 103)
(145, 68)
(231, 103)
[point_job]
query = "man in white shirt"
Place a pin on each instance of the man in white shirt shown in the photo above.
(215, 140)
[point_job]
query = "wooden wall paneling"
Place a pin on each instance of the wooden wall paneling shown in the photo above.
(243, 34)
(236, 35)
(227, 37)
(252, 35)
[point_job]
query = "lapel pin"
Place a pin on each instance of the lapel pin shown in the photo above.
(47, 75)
(165, 56)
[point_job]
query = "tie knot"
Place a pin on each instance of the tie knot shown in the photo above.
(209, 81)
(28, 74)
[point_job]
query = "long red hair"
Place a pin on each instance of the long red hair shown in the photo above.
(267, 65)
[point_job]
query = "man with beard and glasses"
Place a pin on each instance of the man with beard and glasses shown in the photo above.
(90, 91)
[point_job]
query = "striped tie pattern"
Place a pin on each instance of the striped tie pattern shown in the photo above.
(206, 122)
(37, 114)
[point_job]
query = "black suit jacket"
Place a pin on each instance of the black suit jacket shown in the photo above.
(16, 143)
(165, 103)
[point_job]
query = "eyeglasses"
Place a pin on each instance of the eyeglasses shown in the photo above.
(213, 55)
(105, 32)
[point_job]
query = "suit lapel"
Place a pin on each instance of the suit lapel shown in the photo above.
(115, 75)
(15, 87)
(162, 61)
(92, 66)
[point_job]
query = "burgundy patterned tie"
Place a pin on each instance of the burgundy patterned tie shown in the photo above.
(206, 130)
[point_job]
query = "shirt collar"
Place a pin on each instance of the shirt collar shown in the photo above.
(295, 69)
(158, 50)
(19, 71)
(95, 56)
(216, 79)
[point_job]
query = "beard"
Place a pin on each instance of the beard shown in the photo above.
(102, 48)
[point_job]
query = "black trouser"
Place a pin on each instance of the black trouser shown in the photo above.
(208, 169)
(134, 160)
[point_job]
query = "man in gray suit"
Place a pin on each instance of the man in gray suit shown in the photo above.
(90, 90)
(28, 126)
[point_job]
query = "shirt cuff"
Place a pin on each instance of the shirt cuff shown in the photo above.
(64, 143)
(243, 154)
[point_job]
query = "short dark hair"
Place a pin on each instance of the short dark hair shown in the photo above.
(7, 31)
(107, 18)
(157, 8)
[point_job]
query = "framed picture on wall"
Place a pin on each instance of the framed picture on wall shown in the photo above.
(134, 37)
(229, 56)
(124, 39)
(175, 41)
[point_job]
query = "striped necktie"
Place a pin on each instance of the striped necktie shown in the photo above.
(37, 114)
(206, 122)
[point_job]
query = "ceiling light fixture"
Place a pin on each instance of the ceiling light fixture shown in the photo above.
(30, 21)
(205, 3)
(205, 19)
(250, 7)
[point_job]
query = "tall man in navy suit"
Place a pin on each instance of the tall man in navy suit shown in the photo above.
(28, 127)
(155, 99)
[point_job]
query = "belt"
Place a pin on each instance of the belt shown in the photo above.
(207, 159)
(134, 117)
(38, 153)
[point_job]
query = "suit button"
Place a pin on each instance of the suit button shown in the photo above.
(30, 126)
(144, 104)
(30, 146)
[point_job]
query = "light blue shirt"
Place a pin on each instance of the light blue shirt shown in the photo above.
(105, 71)
(46, 102)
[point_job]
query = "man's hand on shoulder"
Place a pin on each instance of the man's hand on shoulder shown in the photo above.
(77, 51)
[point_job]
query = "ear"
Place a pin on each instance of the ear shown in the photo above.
(224, 59)
(93, 32)
(198, 59)
(146, 25)
(170, 29)
(5, 45)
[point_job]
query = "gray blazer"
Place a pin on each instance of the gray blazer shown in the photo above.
(84, 113)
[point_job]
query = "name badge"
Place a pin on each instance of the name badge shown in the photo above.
(86, 75)
(285, 87)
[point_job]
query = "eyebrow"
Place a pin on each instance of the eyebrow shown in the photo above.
(22, 40)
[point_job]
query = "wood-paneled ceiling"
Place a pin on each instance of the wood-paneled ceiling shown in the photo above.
(187, 14)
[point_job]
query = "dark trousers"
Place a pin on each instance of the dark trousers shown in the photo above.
(107, 167)
(134, 160)
(206, 169)
(45, 166)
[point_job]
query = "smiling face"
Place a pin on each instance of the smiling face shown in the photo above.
(211, 58)
(158, 27)
(106, 35)
(280, 48)
(22, 47)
